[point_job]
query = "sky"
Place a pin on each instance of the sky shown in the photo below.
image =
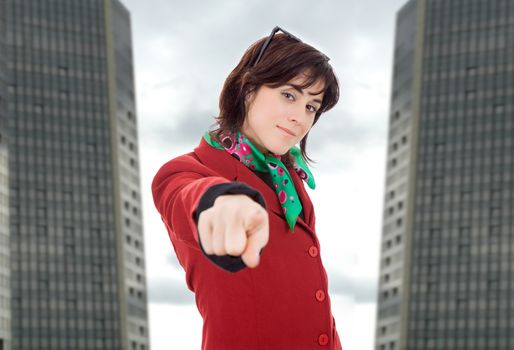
(183, 51)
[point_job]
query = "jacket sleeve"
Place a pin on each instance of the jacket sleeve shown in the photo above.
(177, 189)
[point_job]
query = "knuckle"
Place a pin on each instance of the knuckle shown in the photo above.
(234, 247)
(208, 249)
(202, 236)
(218, 246)
(231, 250)
(224, 201)
(219, 250)
(204, 216)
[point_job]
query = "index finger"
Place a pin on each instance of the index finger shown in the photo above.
(257, 237)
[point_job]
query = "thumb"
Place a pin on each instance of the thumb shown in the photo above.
(253, 221)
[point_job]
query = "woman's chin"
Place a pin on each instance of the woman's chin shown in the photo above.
(278, 150)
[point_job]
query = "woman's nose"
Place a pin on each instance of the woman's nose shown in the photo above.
(296, 117)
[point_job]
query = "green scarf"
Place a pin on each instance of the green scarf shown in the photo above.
(243, 150)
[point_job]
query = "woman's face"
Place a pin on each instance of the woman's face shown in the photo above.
(279, 118)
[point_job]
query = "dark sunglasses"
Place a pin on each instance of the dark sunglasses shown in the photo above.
(268, 41)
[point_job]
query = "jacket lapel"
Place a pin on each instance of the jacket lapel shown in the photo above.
(217, 160)
(223, 163)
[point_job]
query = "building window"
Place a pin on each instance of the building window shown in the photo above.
(63, 70)
(498, 108)
(470, 94)
(470, 70)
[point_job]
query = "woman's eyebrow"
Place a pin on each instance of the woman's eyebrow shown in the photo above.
(300, 90)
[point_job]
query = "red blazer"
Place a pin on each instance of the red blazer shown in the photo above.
(283, 303)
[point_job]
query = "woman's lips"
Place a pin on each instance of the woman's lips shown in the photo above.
(286, 130)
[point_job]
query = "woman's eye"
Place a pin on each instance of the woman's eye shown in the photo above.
(312, 108)
(287, 95)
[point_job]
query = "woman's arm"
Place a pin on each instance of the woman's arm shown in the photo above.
(182, 189)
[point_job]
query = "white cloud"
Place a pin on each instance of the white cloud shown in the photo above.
(355, 323)
(175, 327)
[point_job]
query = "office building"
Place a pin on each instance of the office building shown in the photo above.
(446, 268)
(77, 267)
(5, 305)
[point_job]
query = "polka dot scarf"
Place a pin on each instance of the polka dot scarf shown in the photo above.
(243, 150)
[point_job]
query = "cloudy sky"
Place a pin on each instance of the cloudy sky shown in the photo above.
(183, 51)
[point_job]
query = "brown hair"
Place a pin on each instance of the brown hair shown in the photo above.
(284, 59)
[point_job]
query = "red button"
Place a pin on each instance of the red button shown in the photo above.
(320, 295)
(313, 251)
(323, 339)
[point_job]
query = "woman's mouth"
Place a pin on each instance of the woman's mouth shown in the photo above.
(286, 130)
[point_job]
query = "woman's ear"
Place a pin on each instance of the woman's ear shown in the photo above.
(249, 99)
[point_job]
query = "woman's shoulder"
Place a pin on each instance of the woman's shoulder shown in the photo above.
(184, 162)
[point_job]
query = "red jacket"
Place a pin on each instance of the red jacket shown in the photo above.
(283, 303)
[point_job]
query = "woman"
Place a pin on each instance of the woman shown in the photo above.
(236, 210)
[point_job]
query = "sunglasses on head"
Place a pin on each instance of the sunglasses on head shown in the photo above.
(268, 41)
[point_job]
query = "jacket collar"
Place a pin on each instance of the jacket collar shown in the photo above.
(223, 163)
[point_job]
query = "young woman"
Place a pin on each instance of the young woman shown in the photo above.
(236, 210)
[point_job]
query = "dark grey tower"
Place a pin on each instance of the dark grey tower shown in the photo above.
(5, 310)
(447, 262)
(76, 237)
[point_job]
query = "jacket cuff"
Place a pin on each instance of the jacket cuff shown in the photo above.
(226, 262)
